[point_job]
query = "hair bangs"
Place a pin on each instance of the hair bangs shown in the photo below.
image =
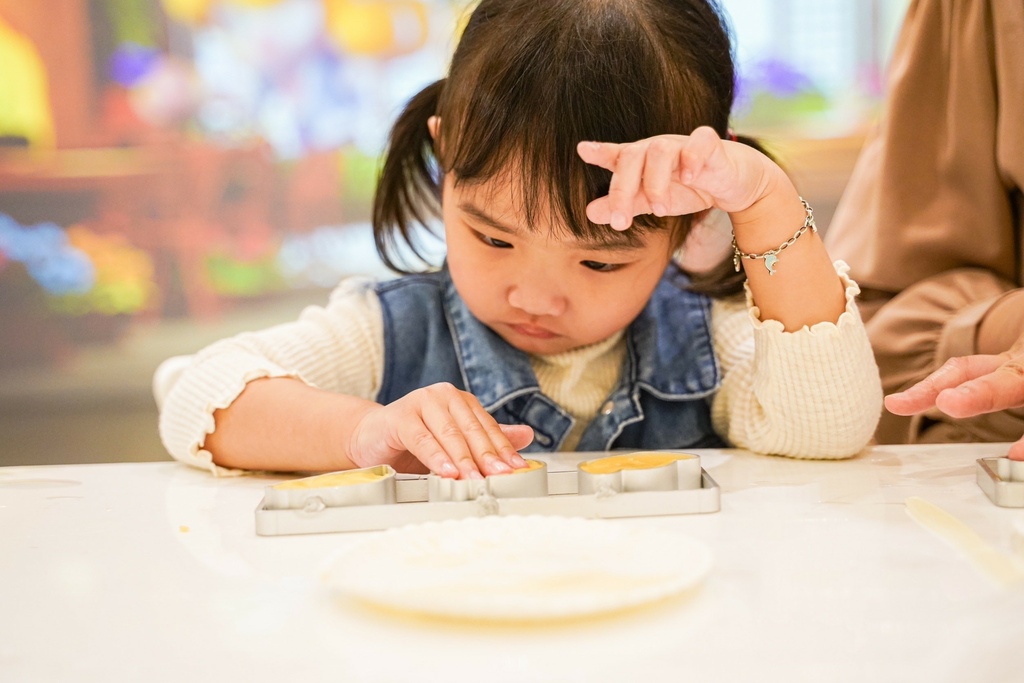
(515, 108)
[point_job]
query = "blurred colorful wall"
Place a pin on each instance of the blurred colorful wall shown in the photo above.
(165, 159)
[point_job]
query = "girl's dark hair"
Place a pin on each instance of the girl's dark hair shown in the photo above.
(528, 81)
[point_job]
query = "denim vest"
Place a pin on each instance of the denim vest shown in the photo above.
(664, 391)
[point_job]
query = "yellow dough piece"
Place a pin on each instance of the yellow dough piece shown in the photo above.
(348, 478)
(631, 461)
(530, 466)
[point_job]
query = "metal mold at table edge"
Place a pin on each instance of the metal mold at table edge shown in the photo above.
(993, 476)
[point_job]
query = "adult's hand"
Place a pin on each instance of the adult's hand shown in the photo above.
(967, 386)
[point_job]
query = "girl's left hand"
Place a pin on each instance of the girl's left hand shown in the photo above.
(674, 175)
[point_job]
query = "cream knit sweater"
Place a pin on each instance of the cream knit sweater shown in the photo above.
(813, 393)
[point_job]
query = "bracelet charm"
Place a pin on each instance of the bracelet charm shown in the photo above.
(771, 257)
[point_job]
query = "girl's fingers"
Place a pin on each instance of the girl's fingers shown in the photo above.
(603, 154)
(654, 176)
(467, 435)
(445, 429)
(599, 211)
(415, 437)
(702, 154)
(484, 446)
(497, 438)
(520, 436)
(448, 421)
(662, 158)
(625, 185)
(624, 199)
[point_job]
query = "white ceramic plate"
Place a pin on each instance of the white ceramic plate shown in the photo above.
(518, 568)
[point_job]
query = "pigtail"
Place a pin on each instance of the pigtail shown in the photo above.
(722, 281)
(409, 186)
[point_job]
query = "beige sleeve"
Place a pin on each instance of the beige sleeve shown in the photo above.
(338, 347)
(813, 393)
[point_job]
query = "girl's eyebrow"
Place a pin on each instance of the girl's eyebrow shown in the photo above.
(479, 214)
(610, 240)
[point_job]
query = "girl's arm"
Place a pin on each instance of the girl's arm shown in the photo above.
(298, 397)
(275, 423)
(335, 348)
(804, 289)
(801, 381)
(284, 424)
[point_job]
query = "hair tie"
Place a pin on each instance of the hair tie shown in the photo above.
(729, 134)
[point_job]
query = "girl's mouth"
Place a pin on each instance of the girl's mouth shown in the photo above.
(533, 331)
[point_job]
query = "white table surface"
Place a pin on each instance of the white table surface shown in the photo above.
(153, 572)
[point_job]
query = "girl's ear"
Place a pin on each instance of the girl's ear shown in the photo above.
(434, 125)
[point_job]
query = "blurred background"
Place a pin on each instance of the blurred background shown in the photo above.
(174, 171)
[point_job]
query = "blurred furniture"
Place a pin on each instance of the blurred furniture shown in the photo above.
(178, 200)
(115, 178)
(211, 200)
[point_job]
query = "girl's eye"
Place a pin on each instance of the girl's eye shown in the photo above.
(491, 242)
(601, 267)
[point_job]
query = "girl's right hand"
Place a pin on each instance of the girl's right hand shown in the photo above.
(439, 428)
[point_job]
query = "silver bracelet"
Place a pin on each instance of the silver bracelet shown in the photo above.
(771, 257)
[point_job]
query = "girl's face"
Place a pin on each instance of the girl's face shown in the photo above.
(542, 292)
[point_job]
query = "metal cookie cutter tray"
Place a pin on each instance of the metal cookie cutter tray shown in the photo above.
(1002, 480)
(369, 506)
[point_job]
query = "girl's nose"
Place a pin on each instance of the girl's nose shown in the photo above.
(536, 298)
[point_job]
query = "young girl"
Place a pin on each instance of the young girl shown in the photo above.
(568, 152)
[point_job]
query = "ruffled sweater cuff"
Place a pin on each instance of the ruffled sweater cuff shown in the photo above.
(810, 393)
